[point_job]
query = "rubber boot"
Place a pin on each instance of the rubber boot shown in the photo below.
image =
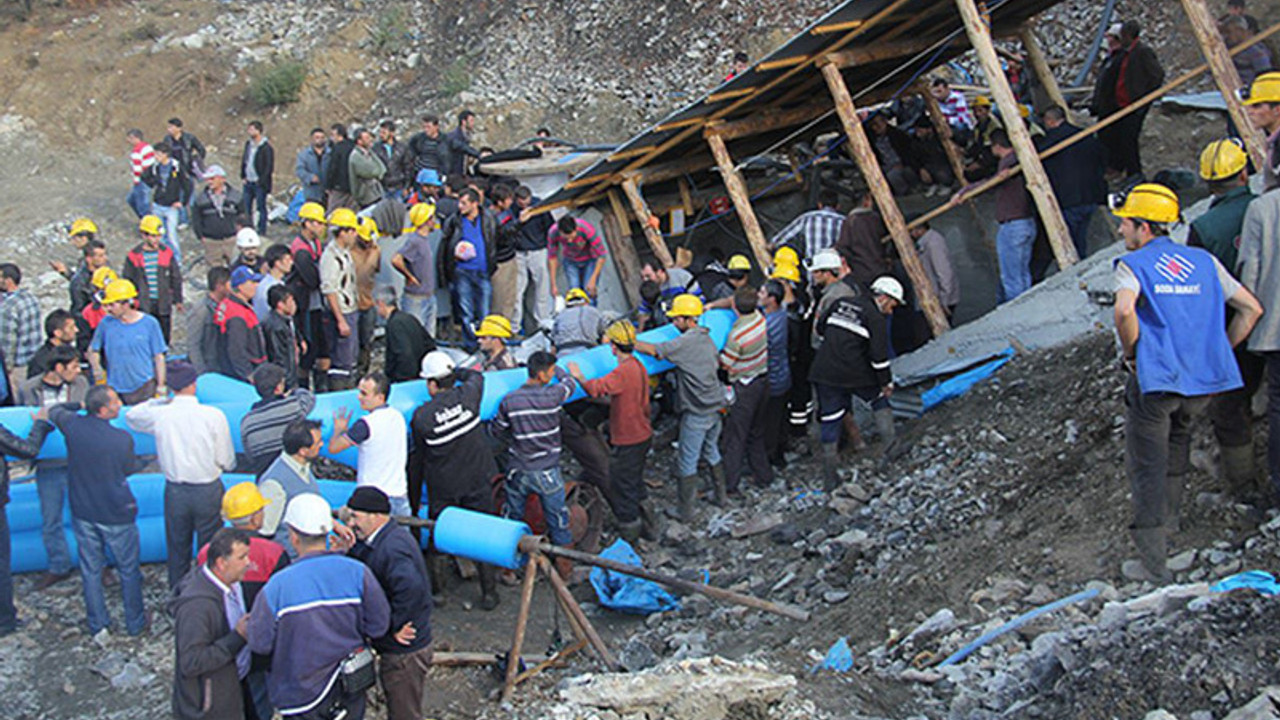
(1238, 471)
(1173, 503)
(488, 587)
(720, 492)
(650, 522)
(830, 460)
(688, 493)
(630, 531)
(1152, 563)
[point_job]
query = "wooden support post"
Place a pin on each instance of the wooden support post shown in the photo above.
(656, 243)
(617, 235)
(522, 622)
(572, 608)
(1040, 66)
(686, 199)
(1225, 75)
(1037, 180)
(862, 152)
(943, 130)
(737, 188)
(619, 208)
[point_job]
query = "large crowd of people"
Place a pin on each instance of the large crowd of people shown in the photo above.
(286, 606)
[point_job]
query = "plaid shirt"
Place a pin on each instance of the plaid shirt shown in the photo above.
(820, 229)
(20, 332)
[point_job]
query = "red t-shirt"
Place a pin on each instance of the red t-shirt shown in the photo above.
(628, 389)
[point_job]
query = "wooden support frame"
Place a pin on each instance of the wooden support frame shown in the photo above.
(737, 188)
(617, 235)
(860, 148)
(1224, 75)
(641, 211)
(943, 130)
(1038, 185)
(1039, 63)
(767, 121)
(878, 52)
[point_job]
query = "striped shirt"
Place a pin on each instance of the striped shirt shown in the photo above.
(262, 428)
(746, 353)
(140, 158)
(956, 110)
(819, 230)
(587, 244)
(529, 420)
(151, 266)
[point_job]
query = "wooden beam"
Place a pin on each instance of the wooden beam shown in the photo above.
(1037, 180)
(943, 130)
(741, 200)
(838, 27)
(875, 53)
(780, 63)
(766, 121)
(1040, 66)
(679, 124)
(862, 152)
(641, 212)
(675, 169)
(617, 235)
(631, 152)
(1225, 75)
(686, 199)
(728, 95)
(619, 208)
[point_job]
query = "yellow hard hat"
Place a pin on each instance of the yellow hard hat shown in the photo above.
(685, 306)
(576, 295)
(242, 500)
(621, 332)
(420, 215)
(344, 218)
(119, 290)
(982, 101)
(1265, 89)
(1223, 159)
(151, 225)
(494, 326)
(367, 229)
(790, 273)
(102, 277)
(740, 262)
(1148, 201)
(82, 226)
(786, 255)
(311, 211)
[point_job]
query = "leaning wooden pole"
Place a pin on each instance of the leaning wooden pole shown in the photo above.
(942, 129)
(1225, 75)
(1037, 180)
(1040, 66)
(651, 234)
(863, 154)
(741, 198)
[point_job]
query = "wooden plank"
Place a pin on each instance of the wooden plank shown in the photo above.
(1040, 66)
(838, 27)
(1037, 180)
(943, 130)
(769, 65)
(620, 210)
(1225, 75)
(728, 95)
(862, 152)
(686, 199)
(617, 235)
(766, 121)
(631, 152)
(677, 124)
(741, 200)
(875, 53)
(641, 212)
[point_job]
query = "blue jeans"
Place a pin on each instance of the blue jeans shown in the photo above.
(474, 295)
(255, 193)
(139, 199)
(422, 307)
(93, 540)
(1077, 218)
(577, 274)
(51, 487)
(1014, 241)
(171, 217)
(549, 487)
(699, 438)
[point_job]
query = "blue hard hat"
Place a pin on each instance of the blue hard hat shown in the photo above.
(428, 176)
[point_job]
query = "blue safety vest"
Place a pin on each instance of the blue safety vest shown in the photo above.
(1182, 340)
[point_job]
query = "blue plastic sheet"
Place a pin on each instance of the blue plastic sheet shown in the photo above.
(625, 593)
(1263, 582)
(960, 384)
(839, 658)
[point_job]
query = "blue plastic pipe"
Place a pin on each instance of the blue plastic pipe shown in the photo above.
(1016, 623)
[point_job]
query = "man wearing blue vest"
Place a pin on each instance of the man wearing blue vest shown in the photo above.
(1178, 348)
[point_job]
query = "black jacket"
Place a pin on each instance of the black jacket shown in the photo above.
(399, 166)
(208, 222)
(902, 143)
(188, 152)
(241, 346)
(428, 152)
(459, 149)
(1142, 74)
(337, 174)
(854, 353)
(174, 186)
(451, 234)
(531, 235)
(450, 450)
(395, 559)
(281, 339)
(1078, 172)
(264, 163)
(206, 685)
(13, 446)
(168, 278)
(407, 342)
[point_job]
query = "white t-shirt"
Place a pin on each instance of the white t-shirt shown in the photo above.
(383, 439)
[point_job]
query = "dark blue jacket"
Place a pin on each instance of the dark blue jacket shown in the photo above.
(396, 561)
(100, 459)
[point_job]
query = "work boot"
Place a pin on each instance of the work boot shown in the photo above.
(1238, 471)
(438, 569)
(720, 492)
(630, 531)
(1152, 563)
(1173, 503)
(488, 587)
(830, 460)
(650, 522)
(688, 489)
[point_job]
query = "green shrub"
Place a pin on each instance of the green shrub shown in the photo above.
(389, 33)
(279, 83)
(455, 79)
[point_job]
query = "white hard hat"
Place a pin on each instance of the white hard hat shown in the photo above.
(435, 365)
(885, 285)
(309, 514)
(248, 238)
(825, 259)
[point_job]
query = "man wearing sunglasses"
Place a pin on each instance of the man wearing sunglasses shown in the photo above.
(1177, 347)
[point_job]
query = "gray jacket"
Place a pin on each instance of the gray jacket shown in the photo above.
(366, 170)
(206, 685)
(1258, 266)
(29, 391)
(308, 166)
